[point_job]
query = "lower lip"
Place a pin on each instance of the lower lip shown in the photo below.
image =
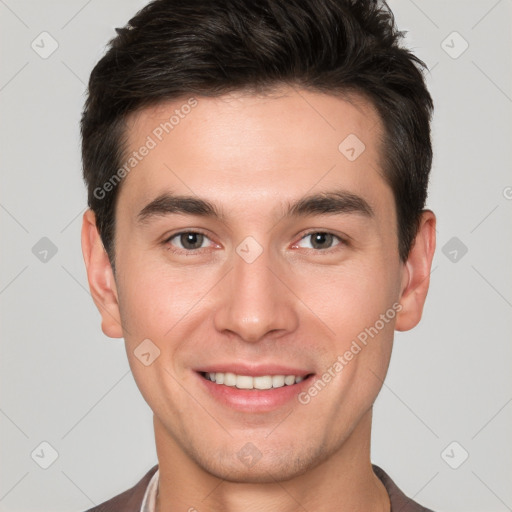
(254, 400)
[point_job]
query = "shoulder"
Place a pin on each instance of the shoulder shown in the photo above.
(129, 500)
(399, 501)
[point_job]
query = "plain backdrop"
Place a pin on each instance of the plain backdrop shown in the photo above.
(442, 422)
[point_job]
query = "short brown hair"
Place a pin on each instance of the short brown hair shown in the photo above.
(173, 48)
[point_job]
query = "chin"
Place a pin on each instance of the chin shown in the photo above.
(262, 468)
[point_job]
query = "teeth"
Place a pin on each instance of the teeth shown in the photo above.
(229, 379)
(244, 382)
(262, 382)
(248, 382)
(289, 380)
(278, 381)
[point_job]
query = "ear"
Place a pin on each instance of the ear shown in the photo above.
(416, 274)
(100, 277)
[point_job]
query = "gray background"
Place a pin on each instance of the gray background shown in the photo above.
(64, 383)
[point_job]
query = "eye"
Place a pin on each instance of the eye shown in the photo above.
(188, 240)
(319, 240)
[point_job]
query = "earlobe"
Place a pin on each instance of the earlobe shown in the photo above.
(100, 277)
(416, 277)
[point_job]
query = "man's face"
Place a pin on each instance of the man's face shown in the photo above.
(258, 291)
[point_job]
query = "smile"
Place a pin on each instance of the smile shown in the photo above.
(253, 388)
(248, 382)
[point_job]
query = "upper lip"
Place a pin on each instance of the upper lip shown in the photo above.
(253, 370)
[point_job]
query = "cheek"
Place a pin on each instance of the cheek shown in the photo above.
(350, 298)
(153, 298)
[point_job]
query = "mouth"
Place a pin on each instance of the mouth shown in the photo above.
(263, 391)
(262, 382)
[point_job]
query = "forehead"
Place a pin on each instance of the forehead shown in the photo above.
(247, 147)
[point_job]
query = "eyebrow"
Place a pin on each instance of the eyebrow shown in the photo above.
(334, 202)
(166, 204)
(324, 203)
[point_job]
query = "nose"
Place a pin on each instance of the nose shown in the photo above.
(254, 300)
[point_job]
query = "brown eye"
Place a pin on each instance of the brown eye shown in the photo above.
(188, 241)
(319, 240)
(191, 240)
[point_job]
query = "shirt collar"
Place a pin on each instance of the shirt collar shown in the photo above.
(149, 501)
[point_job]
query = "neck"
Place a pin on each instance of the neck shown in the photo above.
(343, 482)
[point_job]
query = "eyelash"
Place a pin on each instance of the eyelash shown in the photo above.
(167, 241)
(341, 242)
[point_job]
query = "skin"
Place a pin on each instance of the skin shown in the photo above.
(299, 303)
